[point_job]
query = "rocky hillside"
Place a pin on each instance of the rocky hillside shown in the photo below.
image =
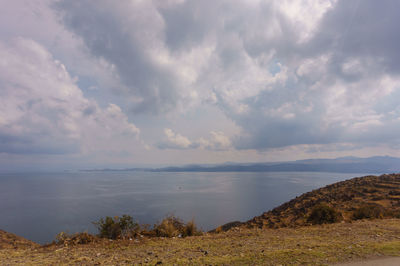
(353, 199)
(357, 198)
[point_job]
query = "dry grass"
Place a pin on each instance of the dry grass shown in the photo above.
(348, 198)
(11, 241)
(316, 245)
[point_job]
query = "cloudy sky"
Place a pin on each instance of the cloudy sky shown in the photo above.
(125, 83)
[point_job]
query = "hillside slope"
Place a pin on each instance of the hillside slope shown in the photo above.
(8, 240)
(378, 195)
(381, 193)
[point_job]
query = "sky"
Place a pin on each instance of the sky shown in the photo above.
(95, 84)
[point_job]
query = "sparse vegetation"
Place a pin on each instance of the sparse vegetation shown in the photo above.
(172, 226)
(307, 245)
(169, 227)
(75, 239)
(324, 214)
(191, 229)
(125, 227)
(357, 198)
(117, 227)
(226, 227)
(368, 211)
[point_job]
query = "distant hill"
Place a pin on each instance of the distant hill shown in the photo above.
(378, 164)
(357, 198)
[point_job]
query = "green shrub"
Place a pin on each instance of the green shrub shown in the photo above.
(323, 214)
(368, 211)
(128, 227)
(117, 227)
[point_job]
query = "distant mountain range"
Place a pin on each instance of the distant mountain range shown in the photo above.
(377, 164)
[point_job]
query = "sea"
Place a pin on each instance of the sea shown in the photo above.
(38, 206)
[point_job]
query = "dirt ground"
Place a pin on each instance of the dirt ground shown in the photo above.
(312, 245)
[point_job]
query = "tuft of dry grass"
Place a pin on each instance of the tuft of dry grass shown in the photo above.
(172, 226)
(75, 239)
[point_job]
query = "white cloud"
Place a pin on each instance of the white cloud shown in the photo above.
(217, 142)
(175, 141)
(305, 15)
(36, 20)
(43, 111)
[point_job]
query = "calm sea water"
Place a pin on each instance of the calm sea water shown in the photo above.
(38, 206)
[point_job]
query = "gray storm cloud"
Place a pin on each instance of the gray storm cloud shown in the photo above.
(338, 82)
(285, 73)
(127, 34)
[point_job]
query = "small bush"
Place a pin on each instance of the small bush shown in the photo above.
(392, 213)
(147, 230)
(75, 239)
(323, 214)
(117, 227)
(61, 237)
(128, 227)
(190, 229)
(368, 211)
(172, 226)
